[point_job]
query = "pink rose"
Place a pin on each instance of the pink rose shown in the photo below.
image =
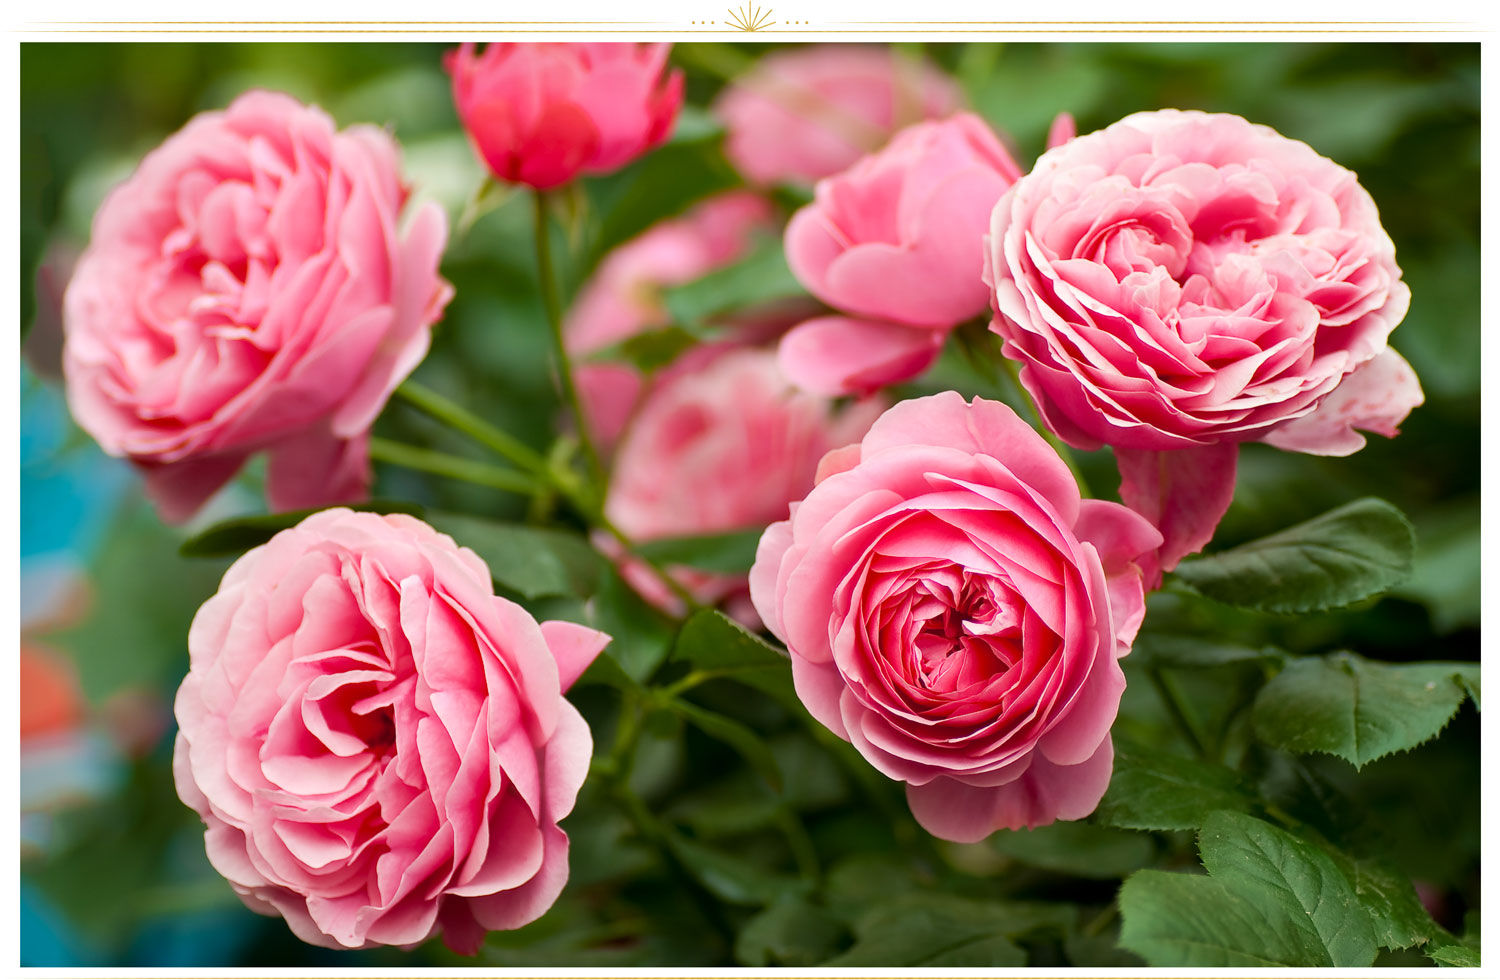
(723, 447)
(1180, 282)
(956, 611)
(378, 744)
(804, 114)
(541, 114)
(623, 297)
(248, 289)
(898, 238)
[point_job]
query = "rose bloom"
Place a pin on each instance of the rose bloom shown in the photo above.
(723, 446)
(897, 240)
(803, 114)
(956, 611)
(623, 297)
(377, 743)
(1187, 281)
(250, 288)
(541, 114)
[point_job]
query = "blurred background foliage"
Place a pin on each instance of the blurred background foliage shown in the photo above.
(820, 866)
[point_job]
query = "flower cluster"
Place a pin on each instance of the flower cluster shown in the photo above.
(378, 742)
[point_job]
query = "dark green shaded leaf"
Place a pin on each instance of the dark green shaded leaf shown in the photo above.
(1075, 848)
(732, 878)
(1356, 709)
(1154, 790)
(240, 534)
(1348, 554)
(530, 561)
(641, 635)
(789, 933)
(935, 930)
(739, 737)
(732, 552)
(761, 277)
(1395, 910)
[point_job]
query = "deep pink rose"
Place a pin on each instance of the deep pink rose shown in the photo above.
(623, 297)
(377, 742)
(807, 113)
(956, 611)
(899, 238)
(723, 447)
(541, 114)
(1184, 282)
(250, 288)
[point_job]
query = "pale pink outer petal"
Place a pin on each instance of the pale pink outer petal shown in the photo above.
(317, 468)
(1376, 397)
(957, 811)
(769, 553)
(179, 489)
(574, 646)
(837, 355)
(1184, 492)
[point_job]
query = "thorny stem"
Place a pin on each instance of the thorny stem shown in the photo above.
(454, 467)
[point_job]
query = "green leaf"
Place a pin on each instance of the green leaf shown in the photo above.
(1155, 790)
(733, 878)
(730, 553)
(1174, 650)
(923, 929)
(1348, 554)
(1075, 848)
(1236, 848)
(642, 635)
(530, 561)
(760, 277)
(1188, 920)
(1357, 709)
(739, 737)
(1271, 899)
(655, 349)
(1454, 955)
(240, 534)
(710, 640)
(1396, 912)
(790, 933)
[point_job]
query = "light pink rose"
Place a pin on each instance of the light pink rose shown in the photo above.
(377, 743)
(250, 288)
(1184, 282)
(623, 297)
(807, 113)
(541, 114)
(899, 238)
(724, 447)
(956, 612)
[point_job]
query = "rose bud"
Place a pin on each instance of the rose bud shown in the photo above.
(804, 114)
(899, 238)
(377, 743)
(1179, 283)
(247, 289)
(722, 444)
(541, 114)
(956, 612)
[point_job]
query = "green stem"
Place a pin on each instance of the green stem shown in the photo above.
(677, 588)
(451, 413)
(1174, 707)
(1014, 375)
(453, 467)
(547, 282)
